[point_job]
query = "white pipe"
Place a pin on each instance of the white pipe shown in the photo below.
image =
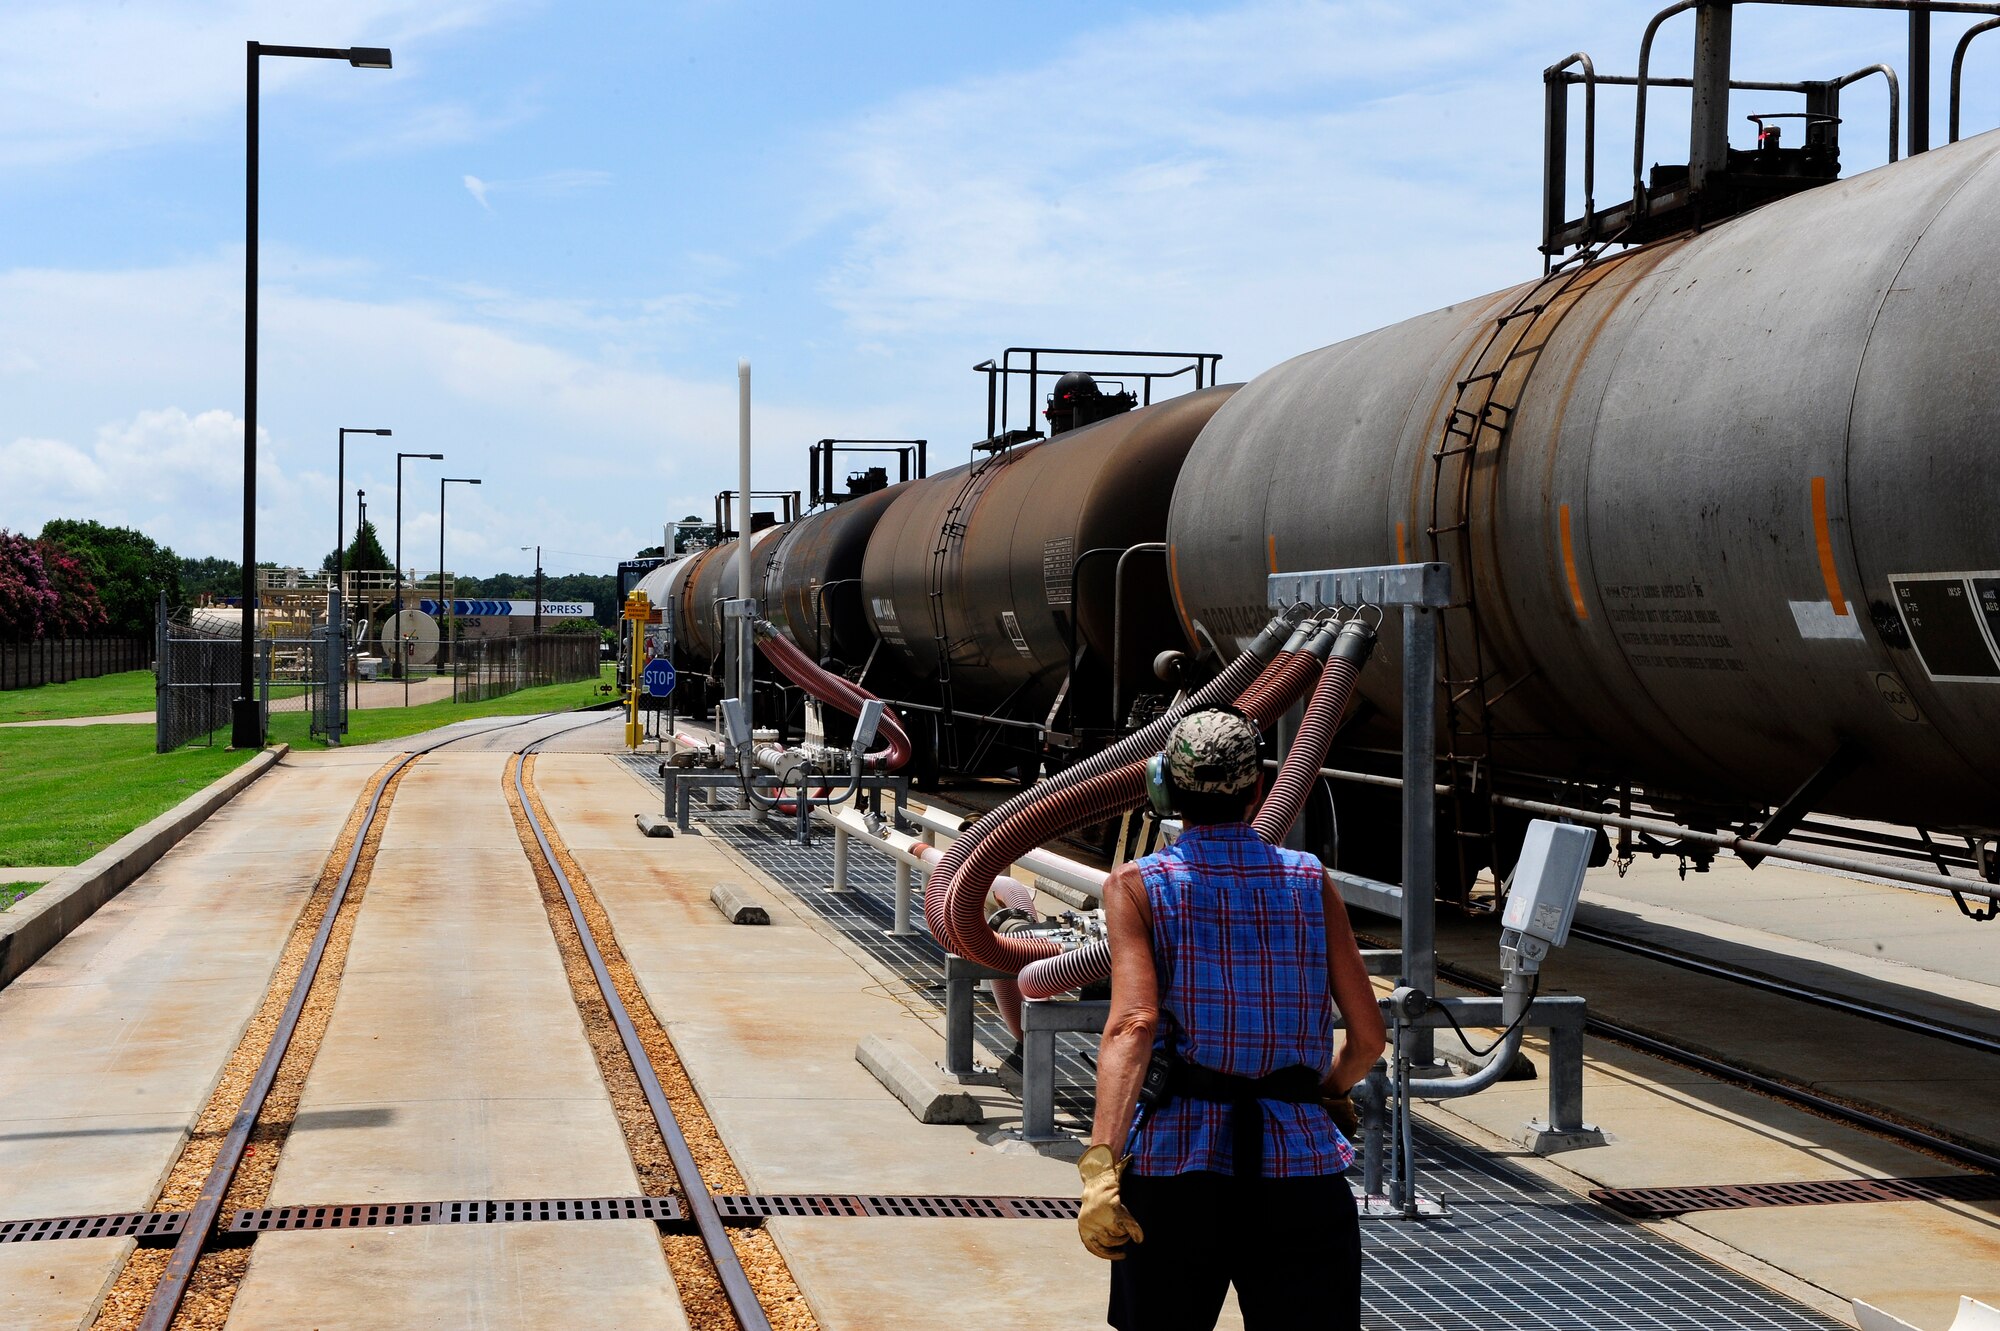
(1055, 868)
(741, 638)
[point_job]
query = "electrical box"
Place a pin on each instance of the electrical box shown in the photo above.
(1548, 879)
(736, 721)
(867, 724)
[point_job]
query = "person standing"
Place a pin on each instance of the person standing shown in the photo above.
(1229, 957)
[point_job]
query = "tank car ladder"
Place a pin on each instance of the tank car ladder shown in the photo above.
(1477, 425)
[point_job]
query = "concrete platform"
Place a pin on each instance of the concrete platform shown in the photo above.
(455, 1066)
(109, 1045)
(767, 1021)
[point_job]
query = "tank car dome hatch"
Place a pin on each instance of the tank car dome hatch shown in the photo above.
(1077, 400)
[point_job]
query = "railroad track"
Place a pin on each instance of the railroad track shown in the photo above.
(203, 1230)
(744, 1303)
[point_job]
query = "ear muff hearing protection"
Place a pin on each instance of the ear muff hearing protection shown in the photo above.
(1159, 789)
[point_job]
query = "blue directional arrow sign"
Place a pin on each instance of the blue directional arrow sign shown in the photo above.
(658, 677)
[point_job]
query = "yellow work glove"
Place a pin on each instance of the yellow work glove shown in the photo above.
(1343, 1113)
(1103, 1221)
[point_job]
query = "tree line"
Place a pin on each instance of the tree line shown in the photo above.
(80, 578)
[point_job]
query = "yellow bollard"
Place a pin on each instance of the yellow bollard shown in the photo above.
(639, 612)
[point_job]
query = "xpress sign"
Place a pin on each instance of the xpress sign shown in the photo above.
(476, 609)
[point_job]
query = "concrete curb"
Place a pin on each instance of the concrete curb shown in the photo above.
(929, 1095)
(44, 918)
(738, 904)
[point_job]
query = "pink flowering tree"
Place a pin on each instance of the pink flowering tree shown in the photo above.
(29, 601)
(79, 611)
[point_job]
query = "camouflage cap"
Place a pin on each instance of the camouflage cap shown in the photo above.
(1212, 753)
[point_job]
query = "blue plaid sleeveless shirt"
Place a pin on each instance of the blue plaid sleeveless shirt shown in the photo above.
(1239, 943)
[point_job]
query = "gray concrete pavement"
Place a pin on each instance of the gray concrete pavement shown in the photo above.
(767, 1021)
(455, 1066)
(110, 1044)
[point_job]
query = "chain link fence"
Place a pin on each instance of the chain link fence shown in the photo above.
(482, 668)
(197, 678)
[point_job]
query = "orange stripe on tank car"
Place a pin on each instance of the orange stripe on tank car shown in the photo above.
(1271, 545)
(1180, 603)
(1569, 564)
(1823, 535)
(1402, 550)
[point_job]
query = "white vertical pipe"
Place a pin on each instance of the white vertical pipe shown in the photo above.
(743, 638)
(743, 479)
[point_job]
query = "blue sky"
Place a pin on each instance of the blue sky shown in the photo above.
(541, 242)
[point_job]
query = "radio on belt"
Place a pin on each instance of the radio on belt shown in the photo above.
(1542, 896)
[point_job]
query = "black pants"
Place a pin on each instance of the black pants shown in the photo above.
(1291, 1246)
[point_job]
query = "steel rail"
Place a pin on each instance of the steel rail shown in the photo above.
(165, 1301)
(1776, 1087)
(735, 1280)
(1957, 1035)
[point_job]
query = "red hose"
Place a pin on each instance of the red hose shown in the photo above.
(1306, 754)
(836, 692)
(965, 895)
(1063, 810)
(1143, 743)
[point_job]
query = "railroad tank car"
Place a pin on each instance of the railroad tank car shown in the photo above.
(1720, 508)
(987, 581)
(710, 579)
(812, 581)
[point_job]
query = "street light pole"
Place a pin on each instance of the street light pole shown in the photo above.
(360, 521)
(246, 728)
(402, 667)
(538, 587)
(340, 505)
(446, 607)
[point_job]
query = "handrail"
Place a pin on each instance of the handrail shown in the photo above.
(1895, 101)
(1958, 67)
(1589, 122)
(1987, 7)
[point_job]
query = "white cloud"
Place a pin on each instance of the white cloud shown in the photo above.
(548, 183)
(1260, 180)
(584, 449)
(83, 79)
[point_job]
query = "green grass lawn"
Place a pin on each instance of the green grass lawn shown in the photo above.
(67, 792)
(13, 892)
(379, 723)
(107, 695)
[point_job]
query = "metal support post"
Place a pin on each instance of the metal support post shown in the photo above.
(1041, 1021)
(1421, 591)
(1419, 913)
(960, 977)
(839, 859)
(1920, 80)
(903, 928)
(1708, 124)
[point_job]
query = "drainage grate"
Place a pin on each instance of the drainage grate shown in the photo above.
(122, 1224)
(742, 1206)
(1659, 1203)
(383, 1215)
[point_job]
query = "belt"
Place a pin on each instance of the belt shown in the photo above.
(1297, 1084)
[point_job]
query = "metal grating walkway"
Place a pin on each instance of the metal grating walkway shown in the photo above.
(1514, 1252)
